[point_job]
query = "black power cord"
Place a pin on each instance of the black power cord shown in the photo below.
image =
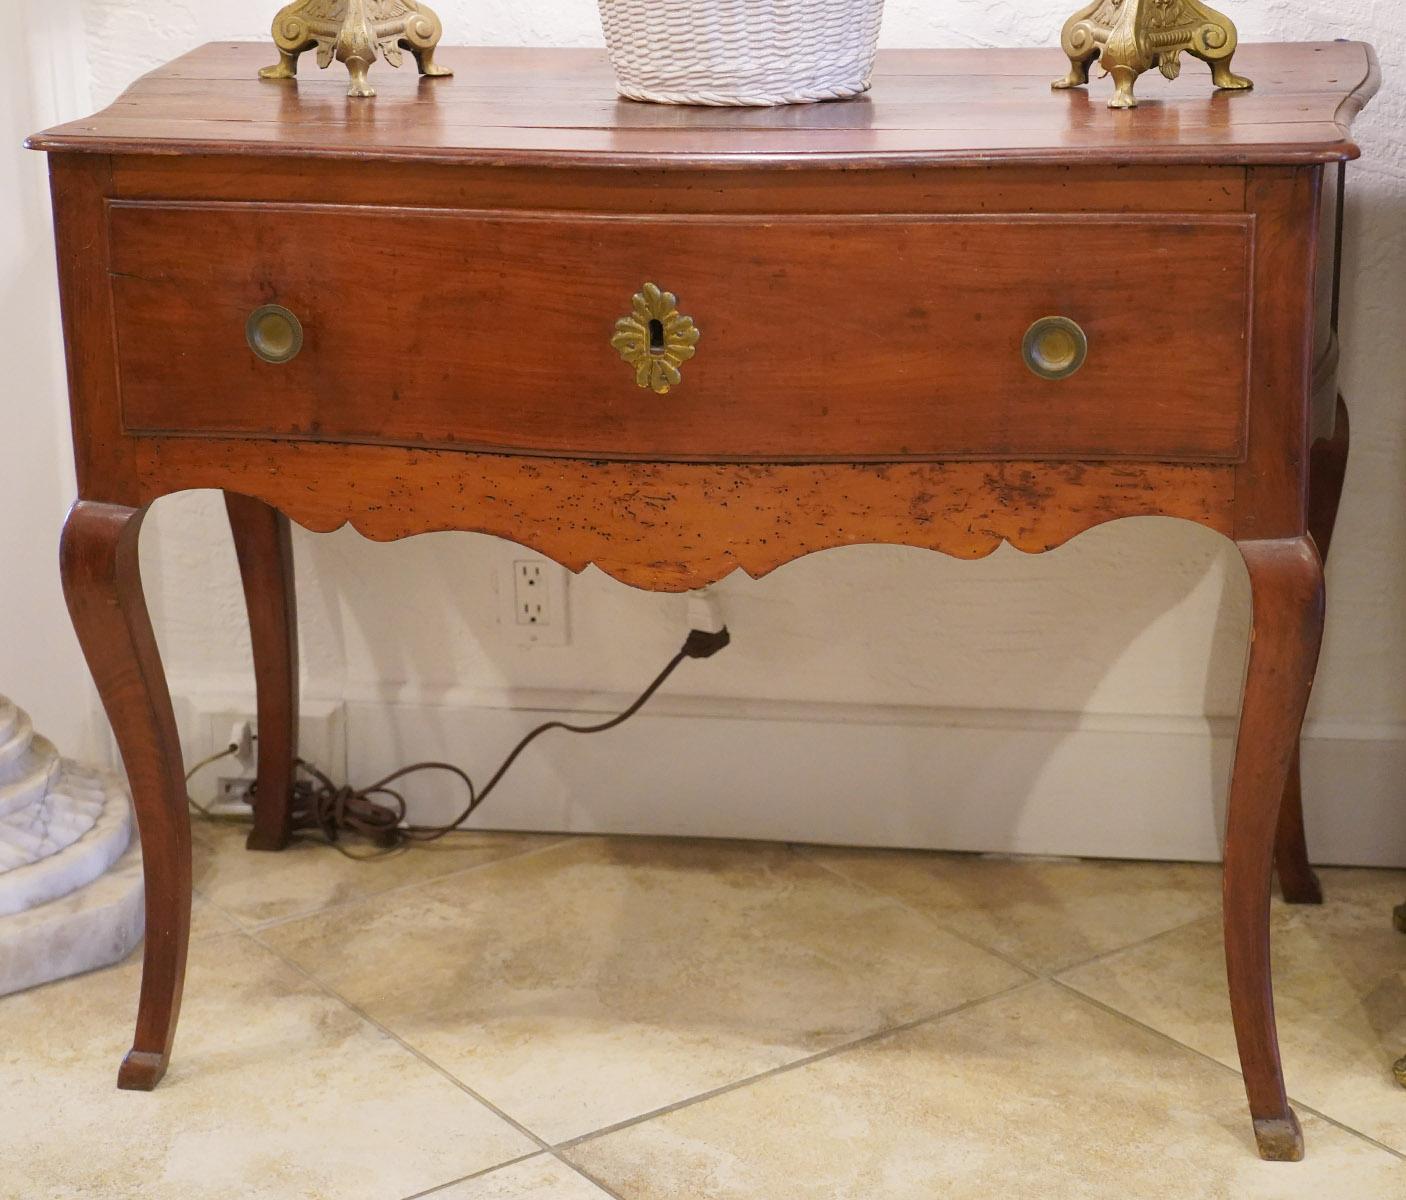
(378, 811)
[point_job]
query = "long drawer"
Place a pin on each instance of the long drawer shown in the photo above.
(793, 338)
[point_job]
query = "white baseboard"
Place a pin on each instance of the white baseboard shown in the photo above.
(994, 781)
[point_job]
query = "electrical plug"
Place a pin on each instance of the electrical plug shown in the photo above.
(707, 630)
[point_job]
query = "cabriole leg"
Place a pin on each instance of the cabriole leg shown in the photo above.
(1286, 583)
(102, 585)
(1327, 470)
(264, 547)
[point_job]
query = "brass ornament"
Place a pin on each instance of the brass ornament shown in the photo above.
(656, 339)
(1132, 36)
(1055, 347)
(274, 333)
(354, 32)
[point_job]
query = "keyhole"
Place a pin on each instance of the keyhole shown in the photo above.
(656, 336)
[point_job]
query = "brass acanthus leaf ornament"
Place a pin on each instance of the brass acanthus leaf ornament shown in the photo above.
(656, 339)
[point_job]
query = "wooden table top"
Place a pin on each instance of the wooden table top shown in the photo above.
(559, 106)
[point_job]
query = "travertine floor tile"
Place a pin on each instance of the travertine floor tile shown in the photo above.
(600, 980)
(307, 876)
(208, 921)
(276, 1091)
(541, 1178)
(1033, 1096)
(1046, 915)
(1340, 994)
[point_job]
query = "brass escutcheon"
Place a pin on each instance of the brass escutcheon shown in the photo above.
(274, 333)
(1055, 347)
(656, 339)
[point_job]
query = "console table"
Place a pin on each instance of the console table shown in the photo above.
(960, 311)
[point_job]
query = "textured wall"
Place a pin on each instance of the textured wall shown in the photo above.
(1146, 617)
(40, 665)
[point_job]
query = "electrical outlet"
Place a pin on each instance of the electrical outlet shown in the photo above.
(532, 604)
(530, 593)
(233, 796)
(224, 785)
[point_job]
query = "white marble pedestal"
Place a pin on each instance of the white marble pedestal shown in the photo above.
(70, 868)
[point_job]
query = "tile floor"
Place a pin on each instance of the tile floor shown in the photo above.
(510, 1017)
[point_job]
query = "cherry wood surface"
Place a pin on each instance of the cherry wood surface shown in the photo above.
(559, 107)
(103, 588)
(862, 272)
(1286, 584)
(835, 338)
(675, 526)
(263, 544)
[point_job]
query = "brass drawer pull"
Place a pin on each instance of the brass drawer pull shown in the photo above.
(1055, 347)
(656, 339)
(274, 333)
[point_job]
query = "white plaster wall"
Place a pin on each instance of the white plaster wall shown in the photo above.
(40, 665)
(1144, 619)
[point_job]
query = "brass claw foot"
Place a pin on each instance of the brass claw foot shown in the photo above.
(1078, 75)
(424, 59)
(354, 32)
(1226, 79)
(285, 68)
(1132, 36)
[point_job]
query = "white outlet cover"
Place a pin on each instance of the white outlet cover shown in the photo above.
(322, 738)
(555, 628)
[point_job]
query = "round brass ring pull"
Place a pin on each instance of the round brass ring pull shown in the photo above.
(274, 333)
(1055, 347)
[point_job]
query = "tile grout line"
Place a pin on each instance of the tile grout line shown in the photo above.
(797, 1064)
(1094, 1002)
(604, 1188)
(555, 1150)
(927, 918)
(541, 1143)
(502, 1166)
(1050, 974)
(1053, 977)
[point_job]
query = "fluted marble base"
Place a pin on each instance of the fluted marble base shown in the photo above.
(70, 871)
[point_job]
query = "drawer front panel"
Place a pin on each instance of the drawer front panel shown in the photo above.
(827, 338)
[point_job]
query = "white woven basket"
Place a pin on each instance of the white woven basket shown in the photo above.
(742, 51)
